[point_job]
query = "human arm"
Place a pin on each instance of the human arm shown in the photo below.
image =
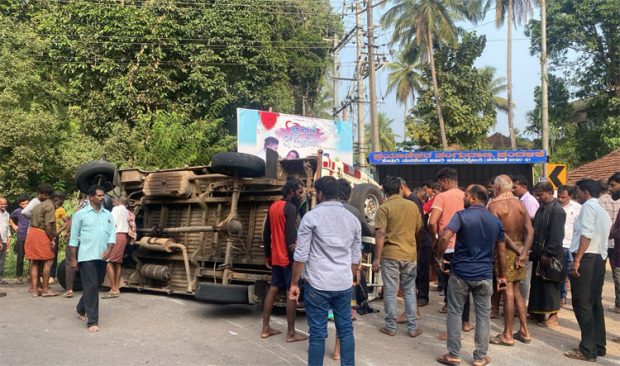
(50, 222)
(553, 243)
(587, 229)
(356, 250)
(442, 245)
(111, 239)
(290, 228)
(267, 242)
(293, 292)
(14, 220)
(76, 225)
(529, 235)
(380, 234)
(433, 222)
(500, 246)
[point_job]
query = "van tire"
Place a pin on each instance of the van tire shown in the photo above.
(61, 275)
(366, 198)
(97, 172)
(237, 164)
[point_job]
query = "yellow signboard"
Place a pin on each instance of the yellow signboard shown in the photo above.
(556, 174)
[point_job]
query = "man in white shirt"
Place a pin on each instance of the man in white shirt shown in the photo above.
(5, 234)
(612, 207)
(572, 210)
(589, 249)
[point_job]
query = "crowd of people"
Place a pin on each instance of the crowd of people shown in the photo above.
(95, 236)
(501, 247)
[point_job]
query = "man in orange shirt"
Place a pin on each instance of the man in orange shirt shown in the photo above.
(445, 205)
(279, 238)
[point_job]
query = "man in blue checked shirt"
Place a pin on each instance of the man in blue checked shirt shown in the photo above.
(92, 229)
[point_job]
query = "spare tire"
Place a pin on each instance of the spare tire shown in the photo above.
(366, 198)
(97, 172)
(61, 275)
(238, 165)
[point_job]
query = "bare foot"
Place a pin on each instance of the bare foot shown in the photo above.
(336, 356)
(296, 337)
(82, 317)
(93, 329)
(269, 332)
(468, 327)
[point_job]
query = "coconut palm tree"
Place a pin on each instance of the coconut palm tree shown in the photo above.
(425, 22)
(387, 137)
(405, 77)
(517, 12)
(496, 86)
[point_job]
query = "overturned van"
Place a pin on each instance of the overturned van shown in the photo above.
(200, 228)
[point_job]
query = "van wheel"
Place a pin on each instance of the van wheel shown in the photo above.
(238, 165)
(97, 172)
(61, 275)
(366, 198)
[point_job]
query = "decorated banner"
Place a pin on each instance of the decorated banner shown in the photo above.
(293, 136)
(459, 157)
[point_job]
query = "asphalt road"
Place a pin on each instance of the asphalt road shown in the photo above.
(149, 329)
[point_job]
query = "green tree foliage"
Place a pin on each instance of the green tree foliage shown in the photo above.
(152, 84)
(387, 137)
(468, 103)
(582, 45)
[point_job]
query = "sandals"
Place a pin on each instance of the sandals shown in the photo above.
(68, 294)
(448, 360)
(415, 333)
(499, 340)
(49, 294)
(386, 331)
(577, 355)
(519, 337)
(111, 295)
(482, 361)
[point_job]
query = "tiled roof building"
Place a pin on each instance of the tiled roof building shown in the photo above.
(600, 169)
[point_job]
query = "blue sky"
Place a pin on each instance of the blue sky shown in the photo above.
(525, 68)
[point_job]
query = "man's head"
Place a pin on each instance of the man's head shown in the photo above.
(543, 192)
(22, 201)
(326, 189)
(475, 194)
(586, 189)
(502, 184)
(447, 179)
(3, 204)
(565, 194)
(614, 186)
(44, 191)
(271, 143)
(344, 189)
(293, 191)
(96, 196)
(428, 188)
(421, 194)
(391, 185)
(58, 198)
(404, 188)
(604, 187)
(519, 185)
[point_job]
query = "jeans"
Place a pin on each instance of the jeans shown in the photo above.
(19, 252)
(587, 292)
(398, 274)
(89, 302)
(568, 263)
(2, 258)
(444, 281)
(458, 292)
(615, 272)
(317, 304)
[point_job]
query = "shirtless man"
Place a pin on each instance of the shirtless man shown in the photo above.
(519, 236)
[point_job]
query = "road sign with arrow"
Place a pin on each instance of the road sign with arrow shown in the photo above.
(556, 174)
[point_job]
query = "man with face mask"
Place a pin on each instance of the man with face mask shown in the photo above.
(279, 238)
(614, 253)
(548, 236)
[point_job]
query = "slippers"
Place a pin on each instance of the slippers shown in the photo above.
(444, 336)
(577, 355)
(519, 337)
(448, 360)
(386, 331)
(482, 361)
(499, 340)
(49, 294)
(68, 294)
(111, 295)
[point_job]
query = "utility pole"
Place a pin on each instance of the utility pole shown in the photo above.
(361, 137)
(372, 80)
(543, 81)
(335, 71)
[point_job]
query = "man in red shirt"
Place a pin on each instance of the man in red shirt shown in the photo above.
(279, 238)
